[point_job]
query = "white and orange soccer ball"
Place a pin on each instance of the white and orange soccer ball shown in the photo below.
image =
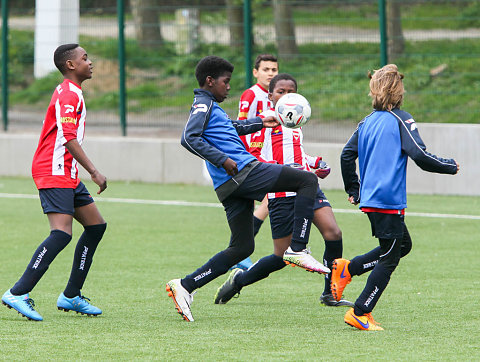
(293, 110)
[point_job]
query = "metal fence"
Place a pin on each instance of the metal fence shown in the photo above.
(144, 58)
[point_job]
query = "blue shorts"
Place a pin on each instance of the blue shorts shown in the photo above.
(281, 211)
(64, 201)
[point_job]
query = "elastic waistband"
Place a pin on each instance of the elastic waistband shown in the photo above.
(383, 211)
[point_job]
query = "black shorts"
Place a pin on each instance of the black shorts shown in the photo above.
(258, 182)
(281, 210)
(387, 226)
(64, 201)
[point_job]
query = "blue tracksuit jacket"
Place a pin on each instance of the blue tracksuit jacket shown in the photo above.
(382, 143)
(213, 136)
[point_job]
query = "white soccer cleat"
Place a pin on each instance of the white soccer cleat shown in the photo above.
(181, 298)
(304, 260)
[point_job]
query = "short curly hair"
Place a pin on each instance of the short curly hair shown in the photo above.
(212, 66)
(278, 77)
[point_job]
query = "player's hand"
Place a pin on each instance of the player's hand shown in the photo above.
(323, 170)
(270, 122)
(230, 166)
(100, 180)
(353, 200)
(458, 166)
(316, 164)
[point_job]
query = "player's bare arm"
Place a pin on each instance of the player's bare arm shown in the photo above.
(77, 152)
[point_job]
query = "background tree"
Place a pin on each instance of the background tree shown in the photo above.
(147, 23)
(396, 40)
(284, 29)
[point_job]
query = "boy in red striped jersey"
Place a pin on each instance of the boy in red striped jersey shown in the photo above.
(253, 102)
(63, 196)
(285, 146)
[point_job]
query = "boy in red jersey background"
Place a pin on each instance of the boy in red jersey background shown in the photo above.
(63, 196)
(253, 102)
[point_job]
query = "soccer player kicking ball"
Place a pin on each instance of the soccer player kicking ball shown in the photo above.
(238, 179)
(253, 102)
(62, 195)
(382, 143)
(285, 146)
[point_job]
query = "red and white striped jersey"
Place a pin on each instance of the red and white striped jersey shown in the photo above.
(53, 166)
(283, 145)
(252, 102)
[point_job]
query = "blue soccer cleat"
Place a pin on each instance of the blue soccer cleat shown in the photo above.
(77, 304)
(244, 264)
(22, 304)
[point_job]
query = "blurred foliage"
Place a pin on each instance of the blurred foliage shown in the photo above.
(331, 76)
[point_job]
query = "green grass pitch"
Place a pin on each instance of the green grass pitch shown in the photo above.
(429, 310)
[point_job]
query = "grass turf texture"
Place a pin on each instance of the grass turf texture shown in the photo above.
(429, 310)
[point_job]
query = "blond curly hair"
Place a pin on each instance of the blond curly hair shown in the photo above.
(386, 88)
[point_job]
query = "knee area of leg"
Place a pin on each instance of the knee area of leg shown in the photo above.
(406, 247)
(311, 178)
(332, 234)
(61, 236)
(96, 231)
(248, 251)
(389, 264)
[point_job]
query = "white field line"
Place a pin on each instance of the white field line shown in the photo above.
(218, 205)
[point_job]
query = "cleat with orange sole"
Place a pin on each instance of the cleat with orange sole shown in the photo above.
(181, 298)
(304, 260)
(364, 322)
(340, 277)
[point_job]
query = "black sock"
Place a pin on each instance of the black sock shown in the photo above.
(83, 257)
(260, 270)
(257, 223)
(302, 222)
(376, 283)
(41, 259)
(363, 263)
(216, 266)
(333, 250)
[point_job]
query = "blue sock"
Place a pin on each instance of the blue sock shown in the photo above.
(260, 270)
(41, 260)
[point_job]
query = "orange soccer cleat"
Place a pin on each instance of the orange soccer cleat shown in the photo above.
(364, 322)
(340, 277)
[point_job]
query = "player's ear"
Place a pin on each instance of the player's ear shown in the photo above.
(270, 96)
(209, 81)
(255, 72)
(69, 65)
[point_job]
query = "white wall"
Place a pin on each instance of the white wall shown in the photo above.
(56, 23)
(166, 161)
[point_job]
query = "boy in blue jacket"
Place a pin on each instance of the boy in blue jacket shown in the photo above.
(382, 143)
(238, 179)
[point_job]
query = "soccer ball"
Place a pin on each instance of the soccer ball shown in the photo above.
(293, 110)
